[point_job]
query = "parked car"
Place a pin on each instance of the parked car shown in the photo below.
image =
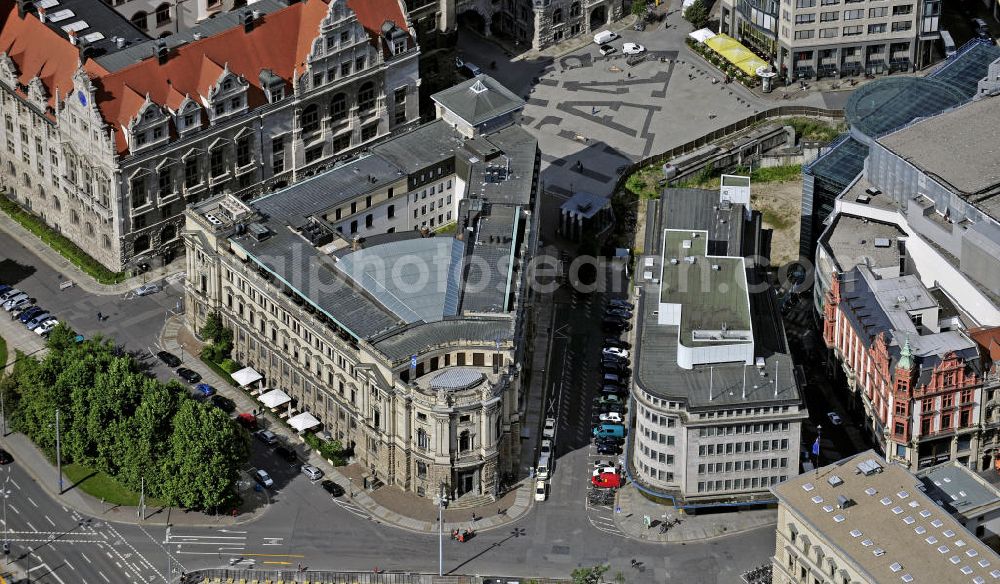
(608, 469)
(640, 25)
(15, 301)
(621, 353)
(188, 375)
(37, 320)
(3, 289)
(633, 49)
(9, 293)
(546, 447)
(333, 488)
(5, 457)
(616, 431)
(286, 454)
(607, 481)
(224, 403)
(549, 430)
(616, 342)
(621, 303)
(46, 327)
(611, 417)
(147, 289)
(834, 418)
(541, 490)
(611, 398)
(205, 389)
(169, 358)
(266, 436)
(608, 447)
(248, 421)
(312, 472)
(263, 478)
(618, 313)
(606, 50)
(26, 313)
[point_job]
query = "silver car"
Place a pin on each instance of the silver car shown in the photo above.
(15, 301)
(312, 472)
(147, 289)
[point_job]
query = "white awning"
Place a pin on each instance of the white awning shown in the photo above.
(702, 35)
(246, 376)
(274, 398)
(303, 422)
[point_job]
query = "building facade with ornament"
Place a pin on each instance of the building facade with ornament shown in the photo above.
(110, 134)
(908, 288)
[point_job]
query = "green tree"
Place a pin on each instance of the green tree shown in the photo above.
(144, 439)
(697, 14)
(207, 450)
(212, 326)
(639, 7)
(592, 575)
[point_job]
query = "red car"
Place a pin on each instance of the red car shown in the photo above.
(248, 421)
(607, 480)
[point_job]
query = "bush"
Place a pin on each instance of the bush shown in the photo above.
(697, 14)
(229, 366)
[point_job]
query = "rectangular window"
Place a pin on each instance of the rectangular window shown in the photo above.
(217, 162)
(345, 68)
(854, 14)
(243, 151)
(902, 26)
(879, 12)
(828, 16)
(805, 18)
(191, 172)
(278, 154)
(852, 30)
(804, 34)
(902, 10)
(390, 211)
(165, 184)
(342, 142)
(314, 154)
(876, 28)
(805, 3)
(139, 197)
(827, 33)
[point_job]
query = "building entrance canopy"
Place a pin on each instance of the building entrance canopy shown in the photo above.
(737, 54)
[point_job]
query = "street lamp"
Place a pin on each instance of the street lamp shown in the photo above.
(6, 493)
(59, 453)
(442, 502)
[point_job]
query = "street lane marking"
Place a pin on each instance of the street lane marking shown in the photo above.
(16, 486)
(275, 555)
(103, 576)
(32, 501)
(50, 521)
(280, 563)
(13, 508)
(86, 558)
(70, 565)
(31, 526)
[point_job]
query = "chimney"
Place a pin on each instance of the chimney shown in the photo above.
(72, 37)
(120, 42)
(162, 53)
(24, 7)
(41, 14)
(248, 19)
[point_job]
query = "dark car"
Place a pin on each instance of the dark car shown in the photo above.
(619, 303)
(29, 313)
(607, 448)
(205, 389)
(286, 454)
(333, 488)
(224, 403)
(5, 457)
(616, 343)
(188, 375)
(266, 436)
(169, 358)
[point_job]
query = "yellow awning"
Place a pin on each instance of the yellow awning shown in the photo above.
(734, 52)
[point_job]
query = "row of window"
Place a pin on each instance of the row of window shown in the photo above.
(826, 33)
(762, 411)
(656, 473)
(739, 484)
(309, 120)
(740, 447)
(742, 465)
(657, 456)
(829, 16)
(666, 421)
(667, 439)
(730, 430)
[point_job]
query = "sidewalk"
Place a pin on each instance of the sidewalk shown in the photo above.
(388, 504)
(632, 506)
(68, 271)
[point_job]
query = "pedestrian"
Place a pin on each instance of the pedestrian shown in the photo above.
(634, 562)
(99, 316)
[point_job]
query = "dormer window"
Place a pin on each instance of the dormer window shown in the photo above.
(140, 139)
(220, 109)
(149, 115)
(188, 120)
(235, 103)
(398, 47)
(158, 132)
(227, 85)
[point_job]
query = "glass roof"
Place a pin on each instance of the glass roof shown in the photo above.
(887, 104)
(842, 163)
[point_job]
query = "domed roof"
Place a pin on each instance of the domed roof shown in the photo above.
(457, 378)
(881, 106)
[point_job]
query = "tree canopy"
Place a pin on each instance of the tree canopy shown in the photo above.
(116, 418)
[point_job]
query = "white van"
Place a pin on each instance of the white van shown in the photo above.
(948, 42)
(544, 467)
(605, 36)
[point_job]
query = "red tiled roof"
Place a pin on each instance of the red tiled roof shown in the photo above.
(989, 340)
(38, 51)
(280, 41)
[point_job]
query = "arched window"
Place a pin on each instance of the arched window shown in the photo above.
(464, 441)
(557, 16)
(310, 119)
(75, 217)
(106, 241)
(139, 20)
(338, 107)
(26, 179)
(366, 96)
(574, 9)
(163, 14)
(169, 232)
(90, 229)
(141, 244)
